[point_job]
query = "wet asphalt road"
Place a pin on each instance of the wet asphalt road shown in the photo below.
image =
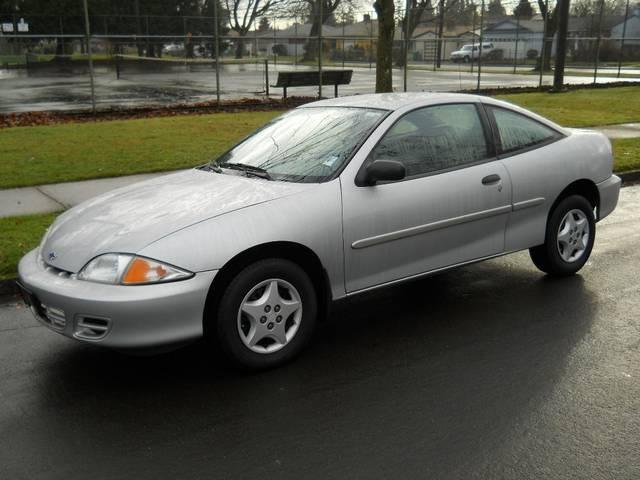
(23, 92)
(488, 371)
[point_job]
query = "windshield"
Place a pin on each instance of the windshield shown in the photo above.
(306, 144)
(467, 47)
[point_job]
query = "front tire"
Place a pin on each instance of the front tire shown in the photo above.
(267, 314)
(569, 238)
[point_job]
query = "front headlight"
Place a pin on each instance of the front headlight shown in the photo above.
(124, 269)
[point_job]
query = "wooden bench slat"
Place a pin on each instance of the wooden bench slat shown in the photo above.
(310, 79)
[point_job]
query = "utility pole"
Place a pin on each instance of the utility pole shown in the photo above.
(597, 59)
(407, 19)
(439, 38)
(138, 28)
(561, 48)
(216, 49)
(480, 46)
(624, 34)
(544, 41)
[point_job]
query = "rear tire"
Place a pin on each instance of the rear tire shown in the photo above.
(267, 314)
(569, 238)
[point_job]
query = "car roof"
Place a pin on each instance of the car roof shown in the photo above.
(398, 101)
(394, 101)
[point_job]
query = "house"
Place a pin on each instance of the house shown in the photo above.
(292, 40)
(632, 30)
(516, 38)
(424, 43)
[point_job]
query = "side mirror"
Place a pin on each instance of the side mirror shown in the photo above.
(384, 171)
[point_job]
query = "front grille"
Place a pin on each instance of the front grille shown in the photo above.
(58, 272)
(53, 316)
(91, 328)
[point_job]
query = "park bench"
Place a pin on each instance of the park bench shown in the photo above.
(310, 79)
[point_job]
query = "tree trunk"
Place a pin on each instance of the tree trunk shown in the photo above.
(386, 26)
(239, 47)
(552, 26)
(311, 48)
(62, 48)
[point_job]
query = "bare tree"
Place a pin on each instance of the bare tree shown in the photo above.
(313, 9)
(243, 14)
(385, 9)
(552, 25)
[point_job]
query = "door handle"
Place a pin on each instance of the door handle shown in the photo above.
(491, 179)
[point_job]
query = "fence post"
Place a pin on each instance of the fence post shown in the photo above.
(266, 75)
(370, 45)
(624, 34)
(87, 31)
(480, 47)
(216, 48)
(320, 52)
(597, 59)
(343, 50)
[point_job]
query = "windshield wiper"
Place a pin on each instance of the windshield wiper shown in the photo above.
(211, 167)
(248, 169)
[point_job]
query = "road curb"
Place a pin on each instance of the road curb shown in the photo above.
(628, 177)
(9, 287)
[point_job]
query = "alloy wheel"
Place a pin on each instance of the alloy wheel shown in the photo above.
(269, 316)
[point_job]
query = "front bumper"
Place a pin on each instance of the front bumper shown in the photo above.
(609, 191)
(116, 316)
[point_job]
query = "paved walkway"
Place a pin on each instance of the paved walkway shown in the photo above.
(623, 130)
(60, 196)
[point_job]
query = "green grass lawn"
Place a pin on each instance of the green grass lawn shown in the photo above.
(19, 235)
(626, 152)
(78, 151)
(583, 108)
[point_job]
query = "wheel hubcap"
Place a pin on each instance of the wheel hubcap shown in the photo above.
(269, 316)
(573, 235)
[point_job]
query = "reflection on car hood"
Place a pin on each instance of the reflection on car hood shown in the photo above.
(128, 219)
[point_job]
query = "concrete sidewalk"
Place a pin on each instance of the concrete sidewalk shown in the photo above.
(60, 196)
(623, 130)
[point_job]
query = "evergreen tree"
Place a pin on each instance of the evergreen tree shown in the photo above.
(523, 10)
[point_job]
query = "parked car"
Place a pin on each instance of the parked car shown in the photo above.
(471, 52)
(327, 201)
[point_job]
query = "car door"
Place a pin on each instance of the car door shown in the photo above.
(451, 208)
(534, 160)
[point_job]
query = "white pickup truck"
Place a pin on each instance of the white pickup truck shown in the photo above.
(471, 52)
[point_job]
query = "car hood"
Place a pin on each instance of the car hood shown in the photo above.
(128, 219)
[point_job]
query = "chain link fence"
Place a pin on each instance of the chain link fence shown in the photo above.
(152, 60)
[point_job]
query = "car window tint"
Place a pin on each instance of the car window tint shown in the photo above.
(518, 132)
(435, 138)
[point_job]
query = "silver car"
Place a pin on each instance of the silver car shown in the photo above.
(329, 200)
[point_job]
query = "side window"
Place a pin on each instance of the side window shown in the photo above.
(518, 132)
(435, 138)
